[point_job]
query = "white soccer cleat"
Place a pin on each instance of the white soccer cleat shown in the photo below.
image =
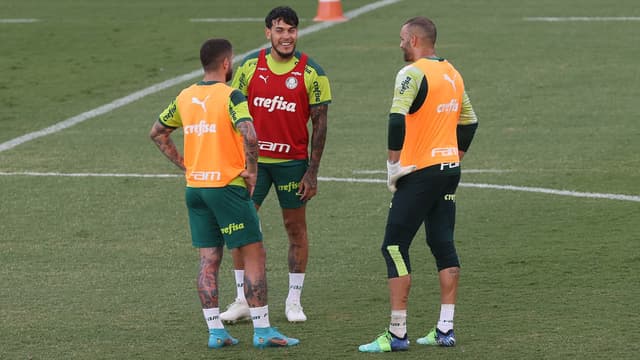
(294, 313)
(236, 311)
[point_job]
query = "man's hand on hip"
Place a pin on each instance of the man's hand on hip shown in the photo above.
(395, 172)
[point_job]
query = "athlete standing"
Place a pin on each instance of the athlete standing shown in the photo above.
(219, 159)
(285, 88)
(431, 126)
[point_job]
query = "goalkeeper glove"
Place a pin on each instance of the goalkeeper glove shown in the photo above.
(395, 172)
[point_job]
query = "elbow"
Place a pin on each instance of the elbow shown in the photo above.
(153, 136)
(154, 133)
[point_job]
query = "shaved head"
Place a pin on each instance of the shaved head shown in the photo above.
(423, 29)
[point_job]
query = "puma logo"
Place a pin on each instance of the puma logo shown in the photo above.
(264, 78)
(450, 80)
(195, 100)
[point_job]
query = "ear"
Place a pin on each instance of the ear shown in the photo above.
(414, 41)
(267, 33)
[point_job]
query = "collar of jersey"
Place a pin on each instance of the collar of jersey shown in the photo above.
(282, 68)
(207, 82)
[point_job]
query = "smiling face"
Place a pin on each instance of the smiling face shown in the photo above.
(283, 39)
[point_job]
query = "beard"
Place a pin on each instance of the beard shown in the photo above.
(229, 75)
(407, 56)
(284, 55)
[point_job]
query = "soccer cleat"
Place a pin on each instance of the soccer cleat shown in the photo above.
(270, 337)
(436, 337)
(236, 311)
(219, 338)
(386, 342)
(294, 313)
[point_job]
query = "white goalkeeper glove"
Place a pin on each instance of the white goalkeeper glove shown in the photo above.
(395, 172)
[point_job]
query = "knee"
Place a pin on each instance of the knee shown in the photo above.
(252, 253)
(296, 229)
(446, 257)
(210, 259)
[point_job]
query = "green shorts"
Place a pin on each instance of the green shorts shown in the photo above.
(219, 216)
(285, 177)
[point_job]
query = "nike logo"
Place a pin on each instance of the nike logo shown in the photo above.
(264, 78)
(450, 80)
(195, 100)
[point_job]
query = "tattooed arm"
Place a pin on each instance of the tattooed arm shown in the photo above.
(251, 154)
(309, 182)
(161, 136)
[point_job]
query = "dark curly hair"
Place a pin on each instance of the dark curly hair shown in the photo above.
(285, 13)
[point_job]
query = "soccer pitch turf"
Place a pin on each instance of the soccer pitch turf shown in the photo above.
(95, 255)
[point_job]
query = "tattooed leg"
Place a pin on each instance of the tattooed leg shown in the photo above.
(255, 278)
(210, 259)
(296, 225)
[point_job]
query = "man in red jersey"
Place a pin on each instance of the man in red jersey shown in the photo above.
(285, 88)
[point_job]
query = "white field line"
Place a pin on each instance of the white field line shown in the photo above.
(467, 171)
(539, 190)
(18, 21)
(10, 144)
(85, 175)
(583, 18)
(588, 195)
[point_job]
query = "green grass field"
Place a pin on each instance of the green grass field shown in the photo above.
(101, 267)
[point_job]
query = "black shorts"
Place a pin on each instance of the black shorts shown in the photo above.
(426, 196)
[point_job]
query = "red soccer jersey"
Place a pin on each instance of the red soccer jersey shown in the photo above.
(279, 105)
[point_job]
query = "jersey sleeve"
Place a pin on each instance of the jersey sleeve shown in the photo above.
(238, 108)
(170, 117)
(406, 89)
(244, 73)
(467, 114)
(317, 84)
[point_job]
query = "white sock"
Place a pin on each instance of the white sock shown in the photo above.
(239, 274)
(212, 317)
(296, 281)
(446, 317)
(398, 324)
(260, 316)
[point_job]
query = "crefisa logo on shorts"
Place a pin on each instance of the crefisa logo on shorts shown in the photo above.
(231, 228)
(291, 186)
